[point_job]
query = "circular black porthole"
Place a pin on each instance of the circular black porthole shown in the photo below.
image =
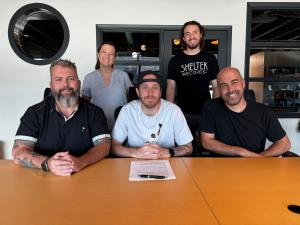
(38, 34)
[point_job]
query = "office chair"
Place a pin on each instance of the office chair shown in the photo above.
(47, 93)
(249, 94)
(132, 94)
(117, 111)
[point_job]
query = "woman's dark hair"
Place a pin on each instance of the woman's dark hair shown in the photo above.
(201, 29)
(97, 66)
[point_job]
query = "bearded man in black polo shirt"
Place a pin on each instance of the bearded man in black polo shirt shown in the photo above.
(63, 133)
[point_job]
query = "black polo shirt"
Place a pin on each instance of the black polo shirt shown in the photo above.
(52, 133)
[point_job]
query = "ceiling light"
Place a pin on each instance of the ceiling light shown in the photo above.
(215, 42)
(176, 41)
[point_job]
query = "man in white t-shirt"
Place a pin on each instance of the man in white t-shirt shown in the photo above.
(153, 127)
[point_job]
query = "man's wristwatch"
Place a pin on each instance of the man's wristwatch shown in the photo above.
(44, 165)
(171, 151)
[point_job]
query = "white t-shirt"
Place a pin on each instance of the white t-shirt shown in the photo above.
(165, 128)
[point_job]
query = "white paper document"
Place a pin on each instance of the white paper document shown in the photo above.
(151, 170)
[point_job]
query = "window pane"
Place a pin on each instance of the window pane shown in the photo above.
(275, 25)
(134, 70)
(275, 63)
(134, 46)
(281, 96)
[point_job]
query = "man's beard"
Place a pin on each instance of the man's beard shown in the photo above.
(150, 104)
(233, 101)
(67, 101)
(193, 46)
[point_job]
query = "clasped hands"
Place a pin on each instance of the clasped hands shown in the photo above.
(151, 151)
(64, 164)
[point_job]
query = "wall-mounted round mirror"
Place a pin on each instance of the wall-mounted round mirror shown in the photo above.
(38, 34)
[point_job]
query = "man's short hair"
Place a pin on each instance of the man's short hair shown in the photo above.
(201, 29)
(141, 79)
(63, 63)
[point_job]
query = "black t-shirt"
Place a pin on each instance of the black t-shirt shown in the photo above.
(47, 127)
(192, 74)
(248, 129)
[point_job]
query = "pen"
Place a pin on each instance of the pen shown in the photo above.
(152, 176)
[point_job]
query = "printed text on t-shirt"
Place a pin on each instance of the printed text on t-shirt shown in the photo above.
(194, 68)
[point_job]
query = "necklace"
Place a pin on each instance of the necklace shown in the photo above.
(149, 121)
(152, 126)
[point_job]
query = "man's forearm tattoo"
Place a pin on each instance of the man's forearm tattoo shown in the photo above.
(30, 144)
(25, 157)
(26, 162)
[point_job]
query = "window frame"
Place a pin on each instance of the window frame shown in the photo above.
(268, 44)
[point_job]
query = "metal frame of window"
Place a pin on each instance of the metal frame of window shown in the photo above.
(267, 44)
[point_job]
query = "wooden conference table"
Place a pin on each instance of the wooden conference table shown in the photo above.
(206, 191)
(244, 191)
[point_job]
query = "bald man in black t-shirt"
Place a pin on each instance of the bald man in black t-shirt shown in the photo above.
(234, 126)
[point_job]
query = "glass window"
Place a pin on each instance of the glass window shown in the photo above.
(274, 63)
(134, 70)
(275, 25)
(38, 34)
(273, 55)
(282, 97)
(136, 51)
(132, 46)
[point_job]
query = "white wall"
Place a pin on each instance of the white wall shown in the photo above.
(22, 84)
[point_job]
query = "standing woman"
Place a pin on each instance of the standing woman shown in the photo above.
(106, 86)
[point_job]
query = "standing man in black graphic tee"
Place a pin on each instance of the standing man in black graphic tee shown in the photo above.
(189, 74)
